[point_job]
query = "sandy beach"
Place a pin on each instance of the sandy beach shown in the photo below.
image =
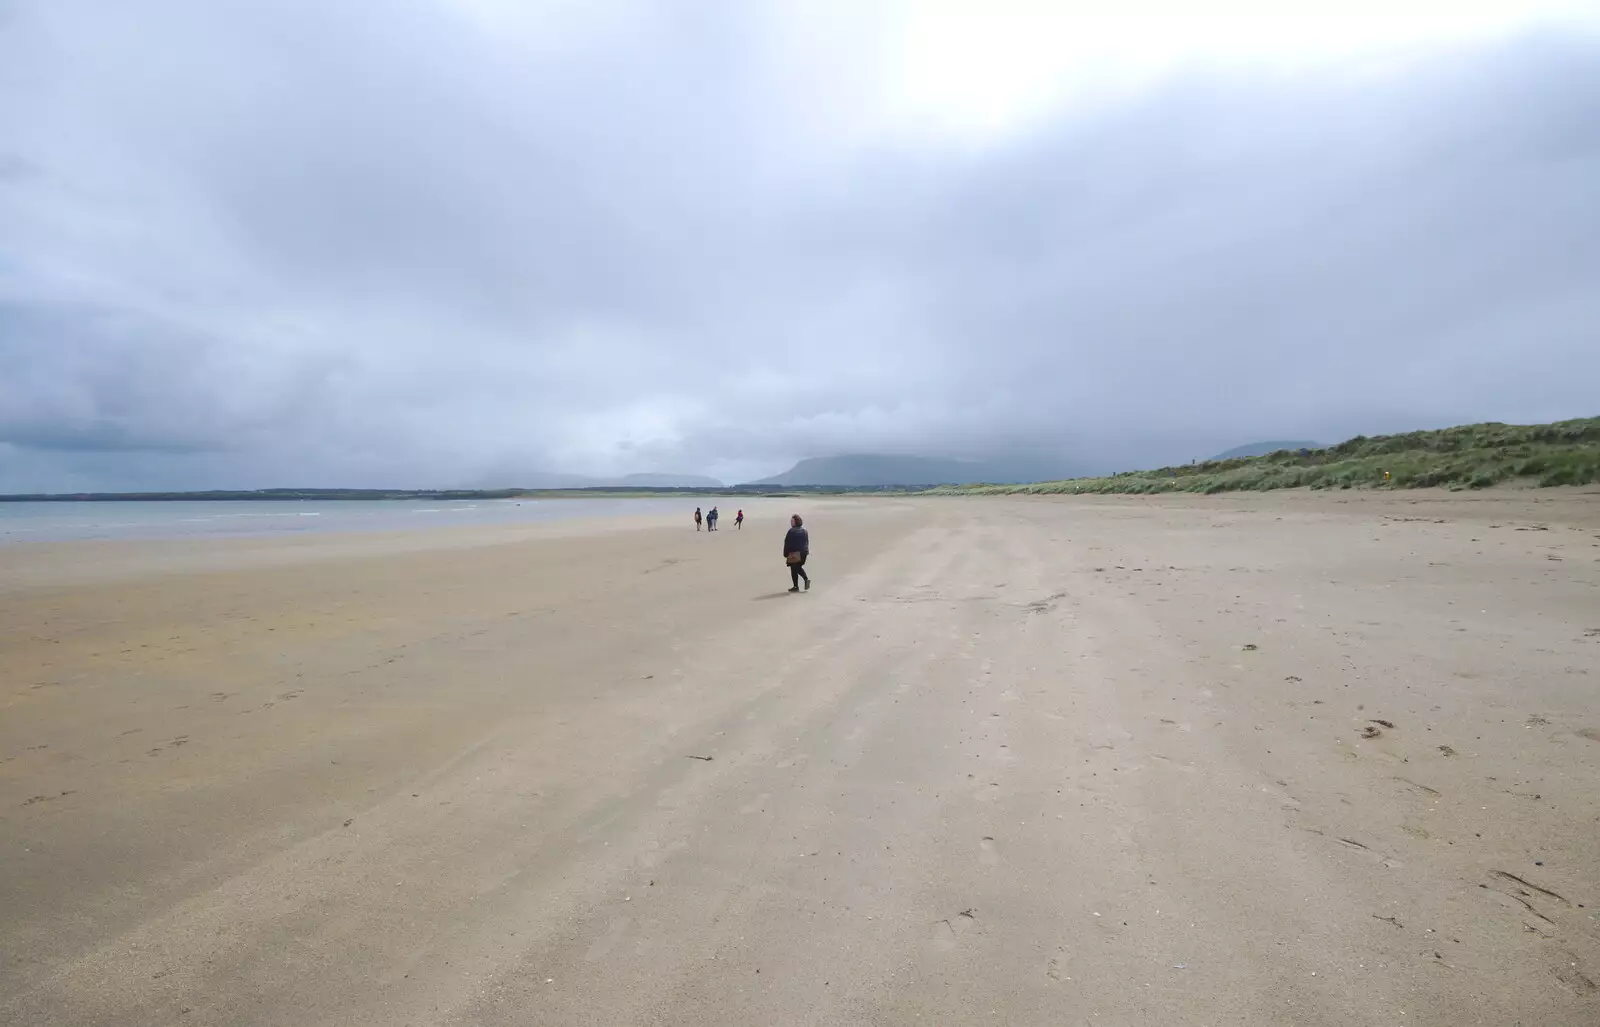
(1322, 759)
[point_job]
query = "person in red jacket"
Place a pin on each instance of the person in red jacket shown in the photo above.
(738, 521)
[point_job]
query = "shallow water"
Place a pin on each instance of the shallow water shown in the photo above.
(162, 519)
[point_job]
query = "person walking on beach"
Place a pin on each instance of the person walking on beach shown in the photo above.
(697, 518)
(796, 547)
(738, 521)
(711, 519)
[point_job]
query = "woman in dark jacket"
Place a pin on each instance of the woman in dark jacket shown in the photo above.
(796, 547)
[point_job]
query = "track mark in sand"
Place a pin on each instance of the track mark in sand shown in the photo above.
(934, 597)
(1591, 733)
(1046, 604)
(35, 800)
(1519, 900)
(1418, 787)
(1360, 848)
(987, 854)
(1446, 750)
(1410, 826)
(1569, 974)
(1529, 884)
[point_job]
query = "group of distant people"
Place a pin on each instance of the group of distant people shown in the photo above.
(796, 543)
(711, 519)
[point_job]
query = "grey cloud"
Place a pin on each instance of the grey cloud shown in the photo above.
(374, 244)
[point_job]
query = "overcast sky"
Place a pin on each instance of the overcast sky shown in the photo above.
(434, 242)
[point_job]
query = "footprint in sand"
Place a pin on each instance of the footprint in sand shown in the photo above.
(947, 933)
(942, 936)
(988, 855)
(608, 941)
(1568, 973)
(653, 852)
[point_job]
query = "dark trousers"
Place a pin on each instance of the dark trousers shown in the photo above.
(798, 571)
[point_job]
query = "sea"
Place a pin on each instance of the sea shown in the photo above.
(76, 520)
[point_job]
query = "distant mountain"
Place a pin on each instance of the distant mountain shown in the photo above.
(543, 480)
(1263, 448)
(878, 469)
(669, 481)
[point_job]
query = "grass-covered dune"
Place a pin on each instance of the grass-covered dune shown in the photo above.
(1469, 456)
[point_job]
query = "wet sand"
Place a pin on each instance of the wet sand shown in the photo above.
(1275, 759)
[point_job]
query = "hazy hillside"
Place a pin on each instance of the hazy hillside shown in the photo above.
(668, 481)
(1263, 448)
(544, 480)
(1470, 456)
(878, 469)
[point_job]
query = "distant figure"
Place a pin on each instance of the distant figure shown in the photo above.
(711, 519)
(697, 518)
(796, 547)
(1385, 476)
(738, 521)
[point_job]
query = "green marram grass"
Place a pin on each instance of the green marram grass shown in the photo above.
(1468, 457)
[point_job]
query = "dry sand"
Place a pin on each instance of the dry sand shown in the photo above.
(1012, 761)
